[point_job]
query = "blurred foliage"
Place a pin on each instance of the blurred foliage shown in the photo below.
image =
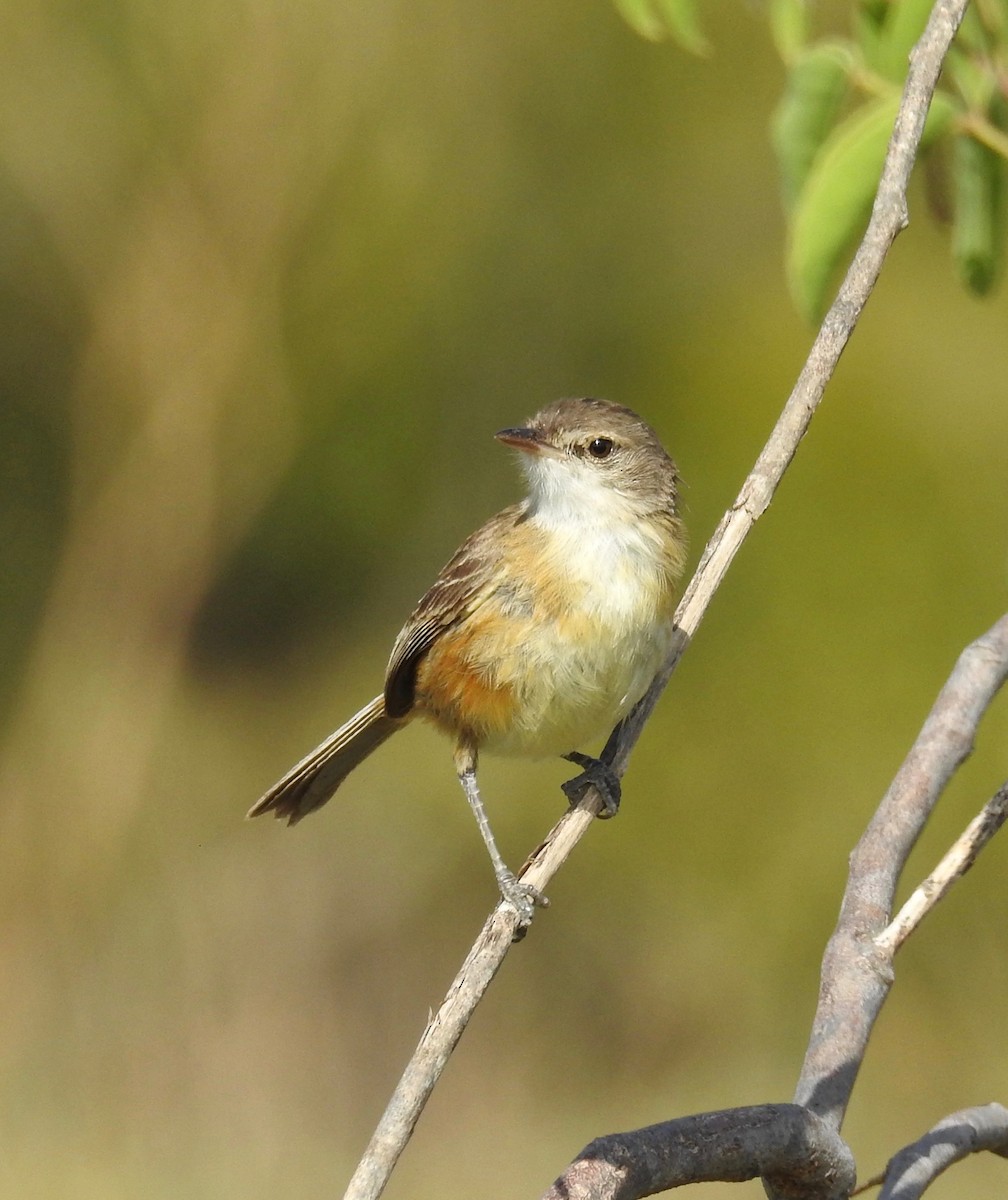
(832, 126)
(658, 19)
(271, 277)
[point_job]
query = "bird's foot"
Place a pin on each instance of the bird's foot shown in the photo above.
(522, 896)
(597, 774)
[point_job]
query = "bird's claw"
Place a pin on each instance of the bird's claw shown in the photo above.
(596, 774)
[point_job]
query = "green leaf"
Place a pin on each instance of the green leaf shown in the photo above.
(978, 228)
(873, 12)
(642, 19)
(903, 25)
(867, 36)
(837, 197)
(816, 87)
(684, 24)
(660, 19)
(788, 27)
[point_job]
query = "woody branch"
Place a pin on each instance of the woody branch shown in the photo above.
(858, 964)
(796, 1148)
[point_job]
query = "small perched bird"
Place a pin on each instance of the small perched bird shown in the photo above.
(543, 630)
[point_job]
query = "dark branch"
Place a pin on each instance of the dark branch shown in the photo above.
(781, 1142)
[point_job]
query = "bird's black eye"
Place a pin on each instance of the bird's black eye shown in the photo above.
(600, 447)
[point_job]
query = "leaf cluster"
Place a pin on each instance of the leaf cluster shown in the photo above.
(831, 128)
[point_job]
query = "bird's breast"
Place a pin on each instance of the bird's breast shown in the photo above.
(566, 643)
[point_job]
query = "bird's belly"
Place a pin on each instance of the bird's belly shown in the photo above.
(548, 672)
(571, 682)
(545, 687)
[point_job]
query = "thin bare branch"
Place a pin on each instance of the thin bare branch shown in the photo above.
(913, 1170)
(781, 1142)
(954, 865)
(889, 216)
(856, 971)
(428, 1061)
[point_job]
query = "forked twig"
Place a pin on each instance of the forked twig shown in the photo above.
(856, 977)
(857, 970)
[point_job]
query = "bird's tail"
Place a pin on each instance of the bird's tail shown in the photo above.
(316, 777)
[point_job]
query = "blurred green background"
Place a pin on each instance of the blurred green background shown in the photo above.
(271, 277)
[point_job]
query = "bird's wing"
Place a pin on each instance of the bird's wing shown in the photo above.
(467, 581)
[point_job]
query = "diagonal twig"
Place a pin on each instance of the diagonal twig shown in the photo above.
(889, 217)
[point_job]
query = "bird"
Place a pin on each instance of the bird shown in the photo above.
(545, 627)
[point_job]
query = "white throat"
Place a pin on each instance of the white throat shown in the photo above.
(568, 494)
(603, 536)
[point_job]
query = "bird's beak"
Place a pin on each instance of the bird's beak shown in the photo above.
(529, 440)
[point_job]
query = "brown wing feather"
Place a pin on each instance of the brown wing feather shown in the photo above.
(466, 581)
